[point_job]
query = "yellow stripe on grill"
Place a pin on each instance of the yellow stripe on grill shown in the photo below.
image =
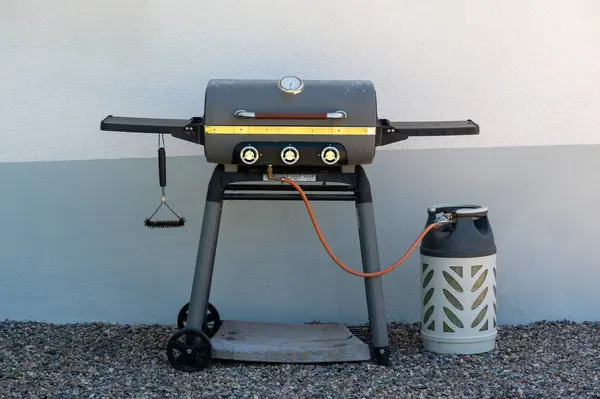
(318, 130)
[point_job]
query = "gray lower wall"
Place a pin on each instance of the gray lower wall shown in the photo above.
(73, 248)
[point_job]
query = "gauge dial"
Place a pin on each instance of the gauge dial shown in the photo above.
(290, 84)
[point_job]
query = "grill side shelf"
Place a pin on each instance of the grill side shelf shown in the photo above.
(185, 129)
(392, 132)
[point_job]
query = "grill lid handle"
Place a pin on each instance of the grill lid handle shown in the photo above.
(272, 115)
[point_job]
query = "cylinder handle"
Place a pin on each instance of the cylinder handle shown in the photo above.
(461, 210)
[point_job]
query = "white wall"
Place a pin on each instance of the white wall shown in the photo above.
(72, 244)
(527, 72)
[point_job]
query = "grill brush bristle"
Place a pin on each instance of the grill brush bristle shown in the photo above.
(162, 176)
(164, 223)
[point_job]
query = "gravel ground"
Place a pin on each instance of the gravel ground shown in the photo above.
(541, 360)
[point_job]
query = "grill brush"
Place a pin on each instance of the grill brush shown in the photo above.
(162, 176)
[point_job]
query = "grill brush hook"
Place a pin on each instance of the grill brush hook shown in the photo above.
(162, 176)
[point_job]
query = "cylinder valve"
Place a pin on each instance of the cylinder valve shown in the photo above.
(330, 155)
(290, 155)
(249, 155)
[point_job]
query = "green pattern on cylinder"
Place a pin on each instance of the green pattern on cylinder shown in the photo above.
(453, 318)
(428, 314)
(428, 296)
(428, 278)
(447, 328)
(479, 299)
(485, 326)
(432, 326)
(452, 299)
(452, 281)
(480, 316)
(479, 282)
(458, 270)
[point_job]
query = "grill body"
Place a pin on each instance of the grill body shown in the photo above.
(259, 122)
(282, 119)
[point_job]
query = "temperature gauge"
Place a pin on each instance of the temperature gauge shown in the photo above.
(290, 84)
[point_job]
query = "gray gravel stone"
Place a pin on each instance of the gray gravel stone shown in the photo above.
(541, 360)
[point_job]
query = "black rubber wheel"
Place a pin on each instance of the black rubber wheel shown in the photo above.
(212, 322)
(189, 350)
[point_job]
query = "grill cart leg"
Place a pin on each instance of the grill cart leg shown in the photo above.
(370, 259)
(197, 350)
(207, 249)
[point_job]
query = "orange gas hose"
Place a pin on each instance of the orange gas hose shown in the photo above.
(332, 255)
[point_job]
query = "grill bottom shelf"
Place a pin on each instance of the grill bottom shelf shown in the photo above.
(288, 343)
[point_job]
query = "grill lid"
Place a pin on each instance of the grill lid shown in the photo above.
(290, 102)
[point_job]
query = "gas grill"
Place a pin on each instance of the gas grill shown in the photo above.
(317, 133)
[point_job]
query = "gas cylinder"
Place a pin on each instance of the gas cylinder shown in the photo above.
(458, 281)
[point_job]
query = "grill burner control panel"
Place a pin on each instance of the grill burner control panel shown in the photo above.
(289, 122)
(289, 154)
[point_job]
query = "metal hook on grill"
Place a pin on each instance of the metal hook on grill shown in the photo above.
(162, 176)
